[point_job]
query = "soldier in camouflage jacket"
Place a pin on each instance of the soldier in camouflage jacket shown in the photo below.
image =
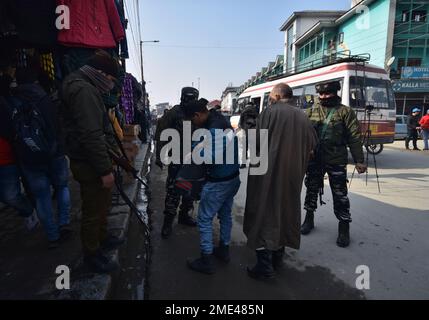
(338, 128)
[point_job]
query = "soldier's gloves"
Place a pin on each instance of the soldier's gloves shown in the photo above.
(361, 168)
(159, 163)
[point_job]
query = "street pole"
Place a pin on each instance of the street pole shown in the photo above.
(142, 71)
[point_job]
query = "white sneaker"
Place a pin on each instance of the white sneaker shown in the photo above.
(32, 222)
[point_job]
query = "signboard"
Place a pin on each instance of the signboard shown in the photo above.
(411, 86)
(415, 73)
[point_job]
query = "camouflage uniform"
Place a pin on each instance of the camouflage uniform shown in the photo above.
(332, 157)
(173, 119)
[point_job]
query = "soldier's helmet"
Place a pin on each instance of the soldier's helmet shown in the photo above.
(189, 94)
(328, 87)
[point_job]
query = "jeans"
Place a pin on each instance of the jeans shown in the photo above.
(425, 133)
(216, 198)
(40, 179)
(10, 191)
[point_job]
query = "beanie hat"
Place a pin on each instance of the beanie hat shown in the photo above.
(103, 61)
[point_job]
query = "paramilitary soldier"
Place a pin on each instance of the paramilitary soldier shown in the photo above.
(173, 119)
(338, 128)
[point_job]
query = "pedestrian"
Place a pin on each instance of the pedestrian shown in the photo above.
(173, 119)
(413, 126)
(89, 136)
(337, 128)
(223, 183)
(272, 217)
(40, 153)
(10, 184)
(247, 121)
(424, 124)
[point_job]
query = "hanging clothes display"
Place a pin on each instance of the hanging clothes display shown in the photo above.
(93, 24)
(127, 99)
(47, 64)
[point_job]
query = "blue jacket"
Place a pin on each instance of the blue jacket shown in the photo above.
(222, 172)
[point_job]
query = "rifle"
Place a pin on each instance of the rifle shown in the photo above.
(125, 164)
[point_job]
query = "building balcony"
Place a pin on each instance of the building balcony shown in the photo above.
(413, 28)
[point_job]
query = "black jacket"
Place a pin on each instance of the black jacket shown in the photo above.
(5, 120)
(33, 93)
(413, 122)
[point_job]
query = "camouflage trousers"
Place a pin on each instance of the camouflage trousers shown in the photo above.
(314, 182)
(172, 199)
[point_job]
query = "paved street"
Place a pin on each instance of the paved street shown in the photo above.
(389, 235)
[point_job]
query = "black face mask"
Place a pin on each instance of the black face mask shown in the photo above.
(330, 102)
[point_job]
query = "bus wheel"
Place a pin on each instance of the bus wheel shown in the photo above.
(375, 149)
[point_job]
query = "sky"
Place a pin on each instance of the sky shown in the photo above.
(220, 42)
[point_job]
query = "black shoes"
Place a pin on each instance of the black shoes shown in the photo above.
(264, 267)
(112, 243)
(222, 253)
(99, 263)
(308, 225)
(343, 240)
(205, 264)
(278, 258)
(167, 227)
(186, 220)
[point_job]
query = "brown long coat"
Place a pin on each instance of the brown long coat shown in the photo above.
(273, 208)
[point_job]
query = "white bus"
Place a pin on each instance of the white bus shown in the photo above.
(362, 85)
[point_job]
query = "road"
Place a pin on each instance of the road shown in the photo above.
(389, 235)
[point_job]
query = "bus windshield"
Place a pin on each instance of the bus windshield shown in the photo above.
(371, 92)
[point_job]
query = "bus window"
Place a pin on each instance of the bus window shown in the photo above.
(240, 105)
(257, 102)
(309, 96)
(374, 92)
(266, 101)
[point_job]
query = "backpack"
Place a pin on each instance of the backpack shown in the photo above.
(190, 180)
(34, 141)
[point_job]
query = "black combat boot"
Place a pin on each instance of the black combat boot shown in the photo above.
(407, 144)
(278, 258)
(186, 220)
(222, 253)
(343, 240)
(308, 224)
(99, 263)
(264, 266)
(205, 264)
(167, 227)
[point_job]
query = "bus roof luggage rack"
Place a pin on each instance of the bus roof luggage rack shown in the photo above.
(326, 60)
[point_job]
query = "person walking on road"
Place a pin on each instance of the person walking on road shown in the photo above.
(413, 126)
(338, 128)
(223, 183)
(424, 124)
(89, 136)
(173, 119)
(272, 217)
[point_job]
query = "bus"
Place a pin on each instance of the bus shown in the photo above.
(364, 87)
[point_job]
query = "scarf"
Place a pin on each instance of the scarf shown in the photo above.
(99, 80)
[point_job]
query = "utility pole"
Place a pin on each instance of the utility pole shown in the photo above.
(199, 83)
